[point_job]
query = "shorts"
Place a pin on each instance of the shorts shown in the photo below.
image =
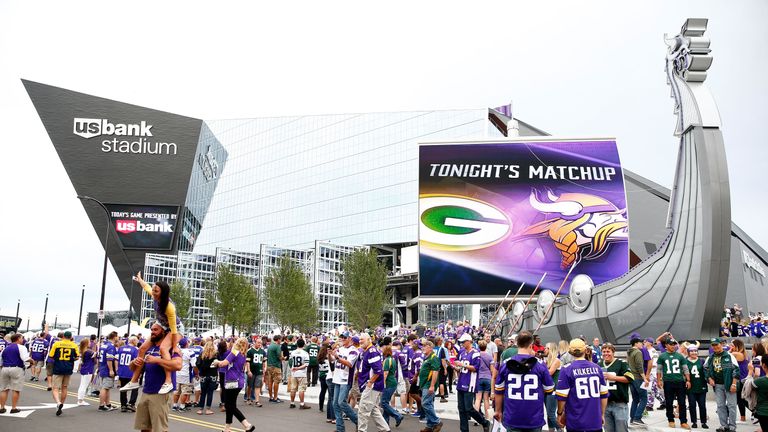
(49, 369)
(297, 384)
(11, 378)
(184, 389)
(483, 385)
(354, 392)
(274, 374)
(152, 412)
(414, 389)
(107, 383)
(255, 381)
(401, 387)
(60, 381)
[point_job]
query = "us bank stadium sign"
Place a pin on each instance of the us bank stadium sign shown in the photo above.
(116, 137)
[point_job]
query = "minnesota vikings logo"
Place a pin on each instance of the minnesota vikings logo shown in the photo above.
(583, 227)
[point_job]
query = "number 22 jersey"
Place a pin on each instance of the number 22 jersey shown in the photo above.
(523, 393)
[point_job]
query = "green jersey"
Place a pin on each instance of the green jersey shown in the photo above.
(291, 347)
(698, 377)
(761, 386)
(508, 354)
(431, 365)
(255, 358)
(720, 367)
(390, 367)
(672, 366)
(273, 356)
(313, 349)
(617, 391)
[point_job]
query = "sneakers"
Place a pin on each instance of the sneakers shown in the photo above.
(58, 409)
(164, 389)
(106, 408)
(304, 407)
(443, 400)
(293, 405)
(685, 426)
(132, 386)
(704, 426)
(437, 427)
(131, 408)
(398, 421)
(82, 403)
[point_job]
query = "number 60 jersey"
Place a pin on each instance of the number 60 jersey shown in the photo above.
(582, 386)
(524, 382)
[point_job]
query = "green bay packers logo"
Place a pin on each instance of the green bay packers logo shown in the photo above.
(456, 223)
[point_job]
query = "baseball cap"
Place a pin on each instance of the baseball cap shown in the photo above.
(355, 339)
(577, 344)
(649, 340)
(715, 341)
(670, 341)
(465, 337)
(68, 334)
(344, 334)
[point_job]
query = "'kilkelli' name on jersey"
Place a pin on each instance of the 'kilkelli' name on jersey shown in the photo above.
(585, 371)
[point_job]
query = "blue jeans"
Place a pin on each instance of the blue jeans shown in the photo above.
(726, 406)
(467, 410)
(616, 417)
(639, 400)
(550, 402)
(207, 387)
(340, 405)
(428, 407)
(330, 414)
(386, 409)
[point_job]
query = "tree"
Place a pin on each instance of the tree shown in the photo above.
(364, 291)
(290, 296)
(232, 300)
(182, 298)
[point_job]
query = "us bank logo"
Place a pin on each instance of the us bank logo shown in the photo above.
(89, 128)
(456, 223)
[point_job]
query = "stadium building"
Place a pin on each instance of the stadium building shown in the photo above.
(244, 192)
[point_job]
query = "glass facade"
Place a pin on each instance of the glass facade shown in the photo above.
(348, 179)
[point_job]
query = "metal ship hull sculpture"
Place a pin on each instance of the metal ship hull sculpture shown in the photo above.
(681, 287)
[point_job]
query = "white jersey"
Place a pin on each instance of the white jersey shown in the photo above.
(298, 358)
(188, 361)
(342, 374)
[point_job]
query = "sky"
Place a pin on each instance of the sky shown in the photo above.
(573, 69)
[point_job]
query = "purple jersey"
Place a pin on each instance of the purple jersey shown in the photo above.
(524, 393)
(51, 340)
(459, 331)
(154, 374)
(3, 343)
(582, 386)
(368, 366)
(234, 371)
(107, 353)
(408, 368)
(88, 364)
(416, 360)
(38, 349)
(125, 355)
(468, 379)
(402, 357)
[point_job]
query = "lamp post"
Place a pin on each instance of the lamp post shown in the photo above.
(16, 320)
(45, 312)
(80, 317)
(106, 249)
(28, 324)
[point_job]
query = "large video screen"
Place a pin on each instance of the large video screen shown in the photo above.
(495, 215)
(144, 226)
